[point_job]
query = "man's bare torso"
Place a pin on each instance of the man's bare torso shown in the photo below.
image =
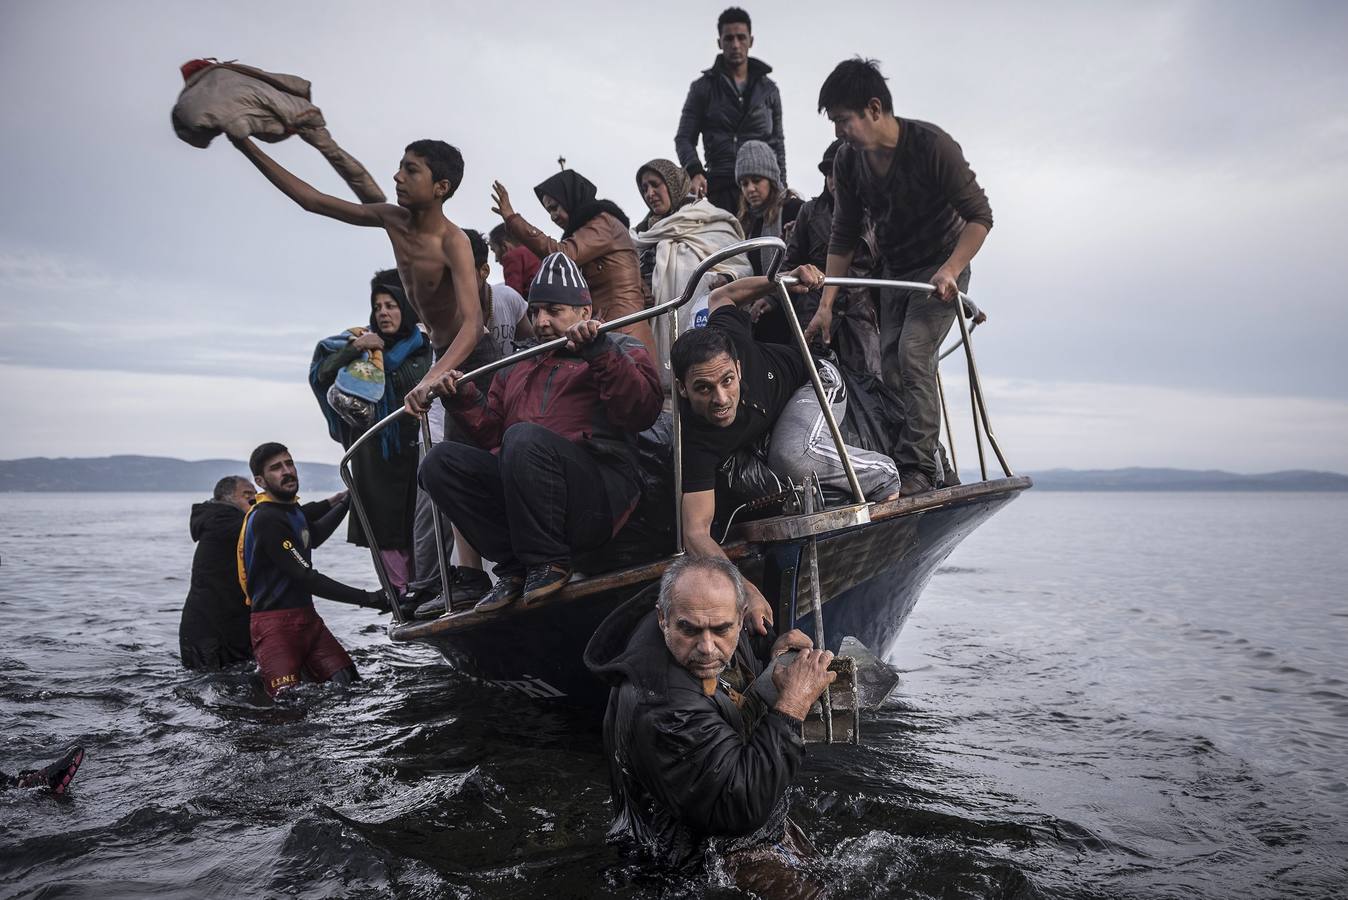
(423, 264)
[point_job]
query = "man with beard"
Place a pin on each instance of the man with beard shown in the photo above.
(701, 744)
(277, 574)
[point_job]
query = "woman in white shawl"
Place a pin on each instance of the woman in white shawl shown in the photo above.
(678, 233)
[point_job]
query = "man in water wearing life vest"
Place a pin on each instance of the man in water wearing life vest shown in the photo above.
(277, 574)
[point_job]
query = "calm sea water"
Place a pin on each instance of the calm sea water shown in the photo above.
(1105, 695)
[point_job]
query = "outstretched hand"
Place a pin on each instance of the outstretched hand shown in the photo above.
(500, 198)
(820, 326)
(582, 333)
(758, 614)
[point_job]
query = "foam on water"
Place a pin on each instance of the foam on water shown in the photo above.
(1105, 695)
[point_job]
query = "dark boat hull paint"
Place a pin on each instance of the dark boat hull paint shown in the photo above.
(871, 577)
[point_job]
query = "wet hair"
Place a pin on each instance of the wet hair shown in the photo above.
(852, 84)
(258, 459)
(697, 345)
(479, 245)
(444, 160)
(500, 236)
(732, 15)
(685, 565)
(228, 485)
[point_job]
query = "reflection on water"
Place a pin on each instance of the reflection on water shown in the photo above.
(1104, 695)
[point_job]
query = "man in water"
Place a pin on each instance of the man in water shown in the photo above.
(732, 102)
(432, 253)
(213, 632)
(701, 750)
(735, 394)
(277, 574)
(911, 179)
(55, 777)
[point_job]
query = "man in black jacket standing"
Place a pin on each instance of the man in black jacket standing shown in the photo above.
(700, 755)
(214, 628)
(732, 102)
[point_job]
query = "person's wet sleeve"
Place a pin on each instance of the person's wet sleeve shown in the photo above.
(278, 543)
(699, 767)
(323, 519)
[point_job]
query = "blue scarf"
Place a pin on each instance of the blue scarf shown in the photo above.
(391, 439)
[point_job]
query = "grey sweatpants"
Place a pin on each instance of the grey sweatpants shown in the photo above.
(425, 561)
(912, 326)
(802, 443)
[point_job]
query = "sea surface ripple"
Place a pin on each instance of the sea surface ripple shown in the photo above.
(1104, 695)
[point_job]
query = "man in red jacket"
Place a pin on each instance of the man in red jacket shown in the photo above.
(554, 471)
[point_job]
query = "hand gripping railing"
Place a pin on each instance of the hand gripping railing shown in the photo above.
(670, 306)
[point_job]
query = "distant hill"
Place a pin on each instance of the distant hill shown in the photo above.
(144, 473)
(158, 473)
(1137, 479)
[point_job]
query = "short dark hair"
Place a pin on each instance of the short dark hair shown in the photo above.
(731, 15)
(499, 235)
(479, 245)
(697, 345)
(257, 460)
(445, 161)
(852, 84)
(226, 486)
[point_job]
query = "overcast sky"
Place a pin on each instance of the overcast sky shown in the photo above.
(1165, 279)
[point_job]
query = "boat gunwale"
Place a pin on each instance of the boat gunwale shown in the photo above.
(748, 540)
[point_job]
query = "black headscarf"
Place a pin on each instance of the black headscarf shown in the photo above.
(576, 194)
(389, 282)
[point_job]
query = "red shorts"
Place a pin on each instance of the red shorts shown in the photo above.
(289, 643)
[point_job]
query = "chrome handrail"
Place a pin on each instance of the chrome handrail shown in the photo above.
(672, 306)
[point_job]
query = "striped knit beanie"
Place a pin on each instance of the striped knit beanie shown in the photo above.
(559, 281)
(758, 159)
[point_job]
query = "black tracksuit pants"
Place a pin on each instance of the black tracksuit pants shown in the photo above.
(540, 500)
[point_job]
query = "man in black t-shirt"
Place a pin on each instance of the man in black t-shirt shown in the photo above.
(736, 393)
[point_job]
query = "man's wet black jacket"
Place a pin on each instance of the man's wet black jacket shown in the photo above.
(214, 628)
(686, 769)
(725, 118)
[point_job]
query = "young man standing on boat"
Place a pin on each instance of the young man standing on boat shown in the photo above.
(735, 395)
(277, 574)
(701, 746)
(931, 216)
(552, 468)
(732, 102)
(432, 253)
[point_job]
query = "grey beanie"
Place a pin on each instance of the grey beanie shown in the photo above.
(757, 158)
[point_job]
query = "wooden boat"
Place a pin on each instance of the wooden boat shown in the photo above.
(851, 572)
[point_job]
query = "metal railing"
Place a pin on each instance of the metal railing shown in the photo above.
(778, 248)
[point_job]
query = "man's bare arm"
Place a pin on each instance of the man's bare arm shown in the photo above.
(969, 243)
(699, 508)
(459, 258)
(746, 290)
(307, 196)
(836, 267)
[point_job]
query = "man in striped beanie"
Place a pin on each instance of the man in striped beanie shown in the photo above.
(552, 469)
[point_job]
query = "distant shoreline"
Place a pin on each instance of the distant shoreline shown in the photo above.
(149, 474)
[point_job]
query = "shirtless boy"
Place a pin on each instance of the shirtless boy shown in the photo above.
(432, 253)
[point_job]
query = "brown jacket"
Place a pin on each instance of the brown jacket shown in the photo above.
(603, 249)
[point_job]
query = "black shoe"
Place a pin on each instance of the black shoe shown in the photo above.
(505, 592)
(56, 776)
(468, 586)
(913, 481)
(545, 580)
(433, 608)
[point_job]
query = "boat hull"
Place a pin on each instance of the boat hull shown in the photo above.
(871, 576)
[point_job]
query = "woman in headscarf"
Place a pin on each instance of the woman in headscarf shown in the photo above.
(385, 467)
(677, 234)
(594, 236)
(766, 208)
